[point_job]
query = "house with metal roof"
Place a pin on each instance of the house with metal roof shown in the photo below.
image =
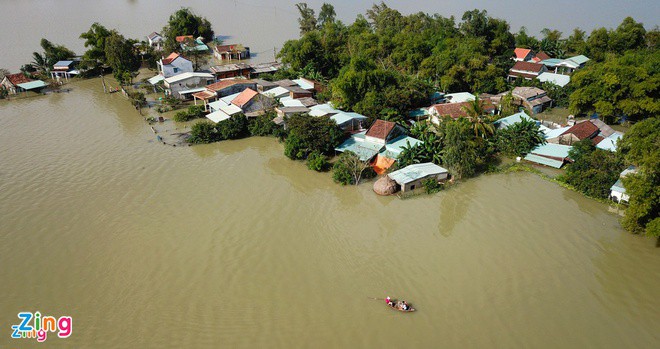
(579, 131)
(411, 177)
(512, 119)
(551, 63)
(459, 97)
(15, 83)
(232, 51)
(553, 155)
(64, 69)
(277, 92)
(610, 142)
(526, 70)
(188, 43)
(183, 85)
(532, 98)
(384, 138)
(349, 122)
(265, 68)
(618, 191)
(324, 109)
(556, 79)
(569, 65)
(231, 70)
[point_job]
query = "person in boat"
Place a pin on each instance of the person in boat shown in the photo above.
(388, 300)
(404, 305)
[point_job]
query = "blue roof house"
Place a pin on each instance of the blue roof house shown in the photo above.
(512, 119)
(618, 191)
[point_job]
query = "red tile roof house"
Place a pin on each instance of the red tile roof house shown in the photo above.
(579, 131)
(252, 103)
(228, 87)
(457, 110)
(383, 131)
(11, 81)
(541, 56)
(526, 70)
(174, 64)
(522, 54)
(229, 52)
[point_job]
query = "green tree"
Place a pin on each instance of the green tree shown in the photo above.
(52, 53)
(576, 43)
(120, 55)
(263, 125)
(523, 40)
(317, 161)
(459, 153)
(95, 38)
(349, 169)
(482, 124)
(598, 44)
(307, 20)
(520, 138)
(641, 147)
(233, 128)
(308, 134)
(185, 22)
(593, 171)
(627, 85)
(629, 35)
(327, 14)
(508, 105)
(204, 132)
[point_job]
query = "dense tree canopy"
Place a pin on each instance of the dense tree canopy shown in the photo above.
(594, 170)
(95, 39)
(120, 55)
(308, 134)
(641, 147)
(185, 22)
(519, 138)
(52, 53)
(627, 85)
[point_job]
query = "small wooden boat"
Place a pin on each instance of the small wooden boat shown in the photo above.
(398, 305)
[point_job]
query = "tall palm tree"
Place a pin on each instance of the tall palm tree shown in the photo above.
(40, 62)
(481, 123)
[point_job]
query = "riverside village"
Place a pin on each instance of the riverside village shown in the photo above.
(408, 109)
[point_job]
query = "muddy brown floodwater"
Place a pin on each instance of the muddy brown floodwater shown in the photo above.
(233, 245)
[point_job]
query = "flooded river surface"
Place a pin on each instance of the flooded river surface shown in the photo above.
(233, 245)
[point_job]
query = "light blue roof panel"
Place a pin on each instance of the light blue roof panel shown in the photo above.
(417, 171)
(618, 186)
(544, 161)
(553, 150)
(512, 119)
(32, 85)
(395, 146)
(551, 62)
(364, 149)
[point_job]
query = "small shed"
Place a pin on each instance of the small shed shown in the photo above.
(411, 177)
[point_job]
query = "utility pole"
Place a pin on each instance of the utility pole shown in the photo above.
(103, 82)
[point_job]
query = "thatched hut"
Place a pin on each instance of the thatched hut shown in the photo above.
(385, 186)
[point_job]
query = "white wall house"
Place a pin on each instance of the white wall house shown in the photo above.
(618, 191)
(155, 40)
(173, 65)
(185, 84)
